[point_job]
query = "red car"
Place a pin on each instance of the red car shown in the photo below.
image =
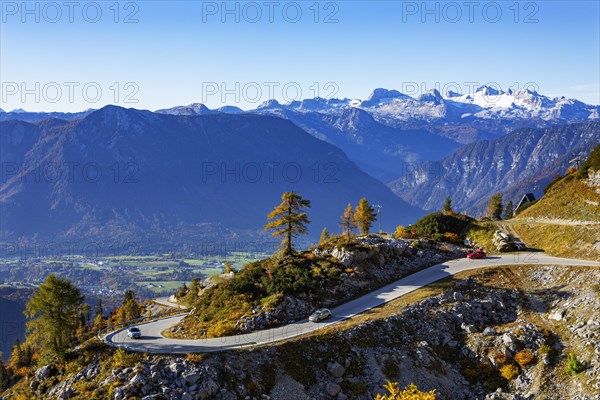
(476, 254)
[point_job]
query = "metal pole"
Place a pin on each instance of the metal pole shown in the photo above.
(379, 207)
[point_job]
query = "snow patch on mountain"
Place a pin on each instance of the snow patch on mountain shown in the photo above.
(486, 103)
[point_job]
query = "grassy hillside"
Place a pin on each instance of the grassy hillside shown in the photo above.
(481, 234)
(569, 199)
(566, 221)
(561, 240)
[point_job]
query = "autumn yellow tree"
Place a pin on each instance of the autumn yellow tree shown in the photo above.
(99, 316)
(130, 309)
(53, 313)
(400, 232)
(494, 209)
(364, 216)
(289, 220)
(228, 268)
(347, 222)
(324, 237)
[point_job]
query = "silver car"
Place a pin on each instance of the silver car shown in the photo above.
(320, 315)
(134, 333)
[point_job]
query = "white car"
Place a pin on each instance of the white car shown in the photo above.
(320, 315)
(134, 333)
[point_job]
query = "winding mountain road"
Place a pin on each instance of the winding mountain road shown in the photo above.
(153, 341)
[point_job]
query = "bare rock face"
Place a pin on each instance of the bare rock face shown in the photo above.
(44, 372)
(343, 255)
(469, 171)
(593, 178)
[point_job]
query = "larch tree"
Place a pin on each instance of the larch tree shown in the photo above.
(447, 206)
(193, 294)
(130, 308)
(364, 216)
(18, 355)
(324, 237)
(99, 317)
(400, 232)
(289, 219)
(494, 209)
(228, 268)
(53, 313)
(347, 222)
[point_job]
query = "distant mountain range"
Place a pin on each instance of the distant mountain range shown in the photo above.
(521, 162)
(492, 140)
(32, 116)
(381, 150)
(124, 173)
(390, 130)
(395, 108)
(486, 103)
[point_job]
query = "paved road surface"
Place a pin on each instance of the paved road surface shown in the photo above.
(164, 301)
(152, 340)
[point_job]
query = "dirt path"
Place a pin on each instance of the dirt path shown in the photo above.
(508, 228)
(557, 221)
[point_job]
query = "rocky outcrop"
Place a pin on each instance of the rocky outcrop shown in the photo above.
(369, 263)
(165, 379)
(456, 342)
(594, 179)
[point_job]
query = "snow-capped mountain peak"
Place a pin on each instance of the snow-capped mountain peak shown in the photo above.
(382, 96)
(432, 96)
(230, 110)
(451, 94)
(190, 109)
(269, 104)
(487, 90)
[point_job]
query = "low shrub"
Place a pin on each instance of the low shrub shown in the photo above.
(574, 365)
(411, 392)
(437, 224)
(452, 237)
(194, 358)
(545, 349)
(122, 358)
(510, 371)
(500, 358)
(524, 357)
(221, 328)
(519, 332)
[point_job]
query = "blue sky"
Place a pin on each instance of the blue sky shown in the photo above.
(160, 54)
